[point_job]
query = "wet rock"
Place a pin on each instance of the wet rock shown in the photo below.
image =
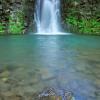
(93, 62)
(69, 95)
(34, 96)
(46, 94)
(46, 75)
(1, 70)
(51, 98)
(52, 94)
(12, 7)
(0, 7)
(13, 97)
(11, 67)
(97, 81)
(5, 74)
(12, 82)
(1, 97)
(4, 79)
(8, 95)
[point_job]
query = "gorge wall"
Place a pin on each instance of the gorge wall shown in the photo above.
(17, 16)
(16, 12)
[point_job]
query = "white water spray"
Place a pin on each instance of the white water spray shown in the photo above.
(47, 16)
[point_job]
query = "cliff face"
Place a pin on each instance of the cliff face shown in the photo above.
(18, 13)
(82, 16)
(82, 8)
(17, 16)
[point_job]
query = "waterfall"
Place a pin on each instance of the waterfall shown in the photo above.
(47, 16)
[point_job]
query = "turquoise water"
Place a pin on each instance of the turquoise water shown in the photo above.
(30, 63)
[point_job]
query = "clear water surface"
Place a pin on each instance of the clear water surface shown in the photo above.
(31, 63)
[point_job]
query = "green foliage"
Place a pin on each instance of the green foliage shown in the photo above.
(1, 28)
(87, 26)
(16, 25)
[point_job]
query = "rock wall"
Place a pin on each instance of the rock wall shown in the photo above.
(12, 9)
(83, 16)
(82, 8)
(22, 12)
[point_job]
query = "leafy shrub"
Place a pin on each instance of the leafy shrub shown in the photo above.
(1, 28)
(16, 25)
(87, 26)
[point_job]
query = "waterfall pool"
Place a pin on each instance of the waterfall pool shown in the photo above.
(31, 63)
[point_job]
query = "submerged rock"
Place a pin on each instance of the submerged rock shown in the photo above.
(10, 96)
(46, 94)
(51, 98)
(53, 94)
(69, 96)
(4, 74)
(4, 79)
(14, 97)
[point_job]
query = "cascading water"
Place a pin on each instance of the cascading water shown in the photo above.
(47, 16)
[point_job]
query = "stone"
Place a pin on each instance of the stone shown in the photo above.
(68, 95)
(7, 94)
(1, 97)
(75, 3)
(4, 79)
(18, 1)
(46, 74)
(12, 1)
(13, 97)
(1, 70)
(53, 94)
(0, 7)
(51, 98)
(5, 74)
(11, 67)
(34, 96)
